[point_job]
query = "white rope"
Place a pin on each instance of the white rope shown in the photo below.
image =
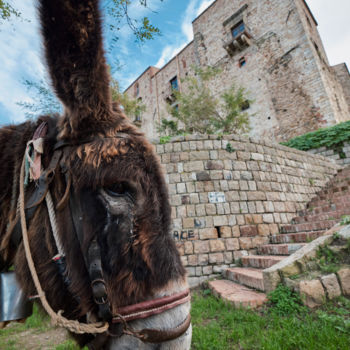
(56, 318)
(53, 221)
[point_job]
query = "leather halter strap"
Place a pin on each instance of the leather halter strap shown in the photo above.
(151, 307)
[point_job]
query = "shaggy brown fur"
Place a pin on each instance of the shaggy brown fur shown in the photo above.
(134, 268)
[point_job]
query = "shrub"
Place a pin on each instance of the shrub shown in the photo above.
(332, 137)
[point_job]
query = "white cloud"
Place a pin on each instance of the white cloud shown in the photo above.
(194, 8)
(20, 58)
(203, 6)
(333, 18)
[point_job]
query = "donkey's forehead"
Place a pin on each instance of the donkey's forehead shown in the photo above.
(107, 150)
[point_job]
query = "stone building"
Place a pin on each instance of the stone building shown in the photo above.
(272, 48)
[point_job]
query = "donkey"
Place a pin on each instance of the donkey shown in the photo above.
(107, 253)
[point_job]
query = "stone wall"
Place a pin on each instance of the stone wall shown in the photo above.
(302, 270)
(341, 156)
(229, 195)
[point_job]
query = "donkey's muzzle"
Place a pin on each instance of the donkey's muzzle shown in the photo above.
(14, 305)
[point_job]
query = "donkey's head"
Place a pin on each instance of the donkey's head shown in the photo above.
(113, 212)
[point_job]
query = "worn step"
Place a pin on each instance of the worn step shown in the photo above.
(300, 237)
(245, 275)
(309, 226)
(261, 261)
(320, 202)
(280, 249)
(331, 215)
(237, 294)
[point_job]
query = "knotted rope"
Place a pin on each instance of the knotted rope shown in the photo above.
(56, 318)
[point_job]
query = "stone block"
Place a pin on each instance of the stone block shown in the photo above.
(208, 233)
(192, 260)
(207, 270)
(312, 293)
(331, 285)
(344, 278)
(220, 220)
(245, 243)
(232, 244)
(203, 259)
(201, 247)
(249, 231)
(217, 245)
(203, 176)
(188, 248)
(200, 210)
(225, 232)
(216, 258)
(188, 223)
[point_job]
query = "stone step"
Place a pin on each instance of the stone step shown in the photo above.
(309, 226)
(237, 294)
(245, 275)
(331, 215)
(280, 249)
(261, 261)
(328, 208)
(301, 237)
(320, 202)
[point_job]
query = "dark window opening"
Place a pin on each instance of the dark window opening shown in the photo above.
(238, 29)
(245, 105)
(137, 89)
(183, 63)
(174, 84)
(242, 62)
(218, 229)
(138, 116)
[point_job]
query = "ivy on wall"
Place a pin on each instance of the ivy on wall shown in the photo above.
(332, 137)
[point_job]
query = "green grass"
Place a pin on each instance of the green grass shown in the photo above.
(218, 326)
(284, 324)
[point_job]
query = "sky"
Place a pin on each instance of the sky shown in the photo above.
(21, 50)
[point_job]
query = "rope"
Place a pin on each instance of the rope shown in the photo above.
(52, 216)
(56, 318)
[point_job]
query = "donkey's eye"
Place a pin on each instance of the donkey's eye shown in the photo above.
(119, 189)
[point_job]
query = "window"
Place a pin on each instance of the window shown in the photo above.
(174, 84)
(242, 62)
(238, 29)
(137, 89)
(138, 117)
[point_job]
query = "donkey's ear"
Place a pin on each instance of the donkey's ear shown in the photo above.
(72, 34)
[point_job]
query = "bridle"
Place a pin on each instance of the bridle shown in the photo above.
(117, 323)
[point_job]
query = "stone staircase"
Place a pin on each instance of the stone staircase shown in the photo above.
(244, 285)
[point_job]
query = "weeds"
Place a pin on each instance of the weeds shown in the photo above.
(229, 148)
(284, 301)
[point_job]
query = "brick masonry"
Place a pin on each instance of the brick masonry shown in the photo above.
(341, 158)
(226, 204)
(286, 70)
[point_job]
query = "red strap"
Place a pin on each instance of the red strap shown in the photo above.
(152, 307)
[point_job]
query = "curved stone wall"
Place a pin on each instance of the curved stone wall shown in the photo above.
(229, 194)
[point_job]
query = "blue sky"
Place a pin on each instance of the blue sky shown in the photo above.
(21, 50)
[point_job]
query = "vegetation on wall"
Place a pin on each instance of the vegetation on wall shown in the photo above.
(195, 109)
(332, 137)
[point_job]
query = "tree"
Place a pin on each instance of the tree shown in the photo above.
(197, 110)
(6, 11)
(132, 107)
(44, 101)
